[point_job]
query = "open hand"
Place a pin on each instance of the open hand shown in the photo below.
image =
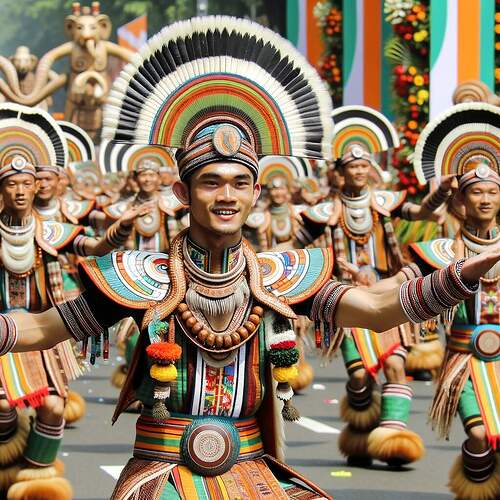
(477, 266)
(136, 211)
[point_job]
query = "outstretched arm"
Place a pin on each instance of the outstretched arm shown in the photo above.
(36, 332)
(416, 300)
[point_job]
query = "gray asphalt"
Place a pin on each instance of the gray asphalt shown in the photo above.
(93, 443)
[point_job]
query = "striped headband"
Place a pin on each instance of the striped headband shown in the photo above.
(355, 152)
(217, 143)
(148, 164)
(18, 165)
(49, 168)
(482, 173)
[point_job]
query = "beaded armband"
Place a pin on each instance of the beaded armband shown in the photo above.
(436, 199)
(425, 298)
(117, 235)
(411, 271)
(82, 324)
(323, 313)
(8, 334)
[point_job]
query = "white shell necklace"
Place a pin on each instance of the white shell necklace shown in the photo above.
(18, 246)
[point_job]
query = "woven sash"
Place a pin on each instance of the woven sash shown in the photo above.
(160, 440)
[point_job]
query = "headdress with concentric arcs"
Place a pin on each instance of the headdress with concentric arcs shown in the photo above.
(119, 157)
(459, 140)
(210, 72)
(364, 127)
(30, 136)
(80, 145)
(284, 167)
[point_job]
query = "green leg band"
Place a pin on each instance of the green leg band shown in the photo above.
(350, 353)
(468, 407)
(43, 443)
(396, 404)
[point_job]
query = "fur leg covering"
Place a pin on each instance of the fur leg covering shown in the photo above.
(74, 409)
(353, 445)
(56, 488)
(425, 356)
(361, 420)
(13, 449)
(475, 477)
(395, 446)
(7, 477)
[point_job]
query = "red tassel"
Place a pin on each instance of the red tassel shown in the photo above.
(317, 334)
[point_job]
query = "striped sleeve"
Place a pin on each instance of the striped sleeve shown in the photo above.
(79, 319)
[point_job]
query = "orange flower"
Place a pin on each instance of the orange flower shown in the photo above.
(412, 125)
(412, 99)
(164, 351)
(418, 80)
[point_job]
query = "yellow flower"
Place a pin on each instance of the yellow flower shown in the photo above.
(422, 96)
(420, 36)
(421, 15)
(412, 70)
(418, 80)
(163, 373)
(285, 373)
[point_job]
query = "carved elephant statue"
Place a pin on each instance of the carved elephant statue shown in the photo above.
(19, 70)
(88, 82)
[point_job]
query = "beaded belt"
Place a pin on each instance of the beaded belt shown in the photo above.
(483, 341)
(207, 445)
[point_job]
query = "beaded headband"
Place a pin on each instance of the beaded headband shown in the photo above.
(18, 165)
(482, 173)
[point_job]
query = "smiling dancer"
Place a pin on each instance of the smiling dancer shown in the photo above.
(215, 317)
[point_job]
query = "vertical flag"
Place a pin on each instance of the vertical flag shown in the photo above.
(462, 47)
(365, 71)
(134, 34)
(302, 29)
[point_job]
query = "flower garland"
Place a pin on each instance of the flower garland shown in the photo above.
(408, 51)
(329, 16)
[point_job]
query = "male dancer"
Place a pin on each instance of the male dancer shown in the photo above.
(31, 280)
(214, 316)
(469, 381)
(363, 235)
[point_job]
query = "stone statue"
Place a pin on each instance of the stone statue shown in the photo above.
(87, 82)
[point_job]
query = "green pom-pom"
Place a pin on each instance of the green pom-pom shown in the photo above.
(284, 357)
(160, 411)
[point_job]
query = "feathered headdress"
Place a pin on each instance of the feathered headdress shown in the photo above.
(284, 167)
(462, 139)
(199, 74)
(29, 138)
(80, 145)
(119, 157)
(360, 132)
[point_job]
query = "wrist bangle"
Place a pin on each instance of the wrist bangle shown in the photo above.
(8, 334)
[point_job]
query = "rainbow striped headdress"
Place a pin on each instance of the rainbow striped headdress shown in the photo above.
(361, 130)
(119, 157)
(220, 88)
(464, 141)
(284, 168)
(80, 145)
(29, 139)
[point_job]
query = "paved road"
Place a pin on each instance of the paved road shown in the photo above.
(94, 451)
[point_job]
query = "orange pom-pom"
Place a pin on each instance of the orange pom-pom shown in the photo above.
(164, 351)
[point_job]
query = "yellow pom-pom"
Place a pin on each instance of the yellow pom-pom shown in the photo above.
(163, 373)
(285, 373)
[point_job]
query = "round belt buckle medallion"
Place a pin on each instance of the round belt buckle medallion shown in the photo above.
(209, 446)
(486, 344)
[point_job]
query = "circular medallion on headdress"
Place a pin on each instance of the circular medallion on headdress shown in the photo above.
(18, 162)
(226, 140)
(80, 145)
(32, 135)
(361, 130)
(210, 446)
(458, 141)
